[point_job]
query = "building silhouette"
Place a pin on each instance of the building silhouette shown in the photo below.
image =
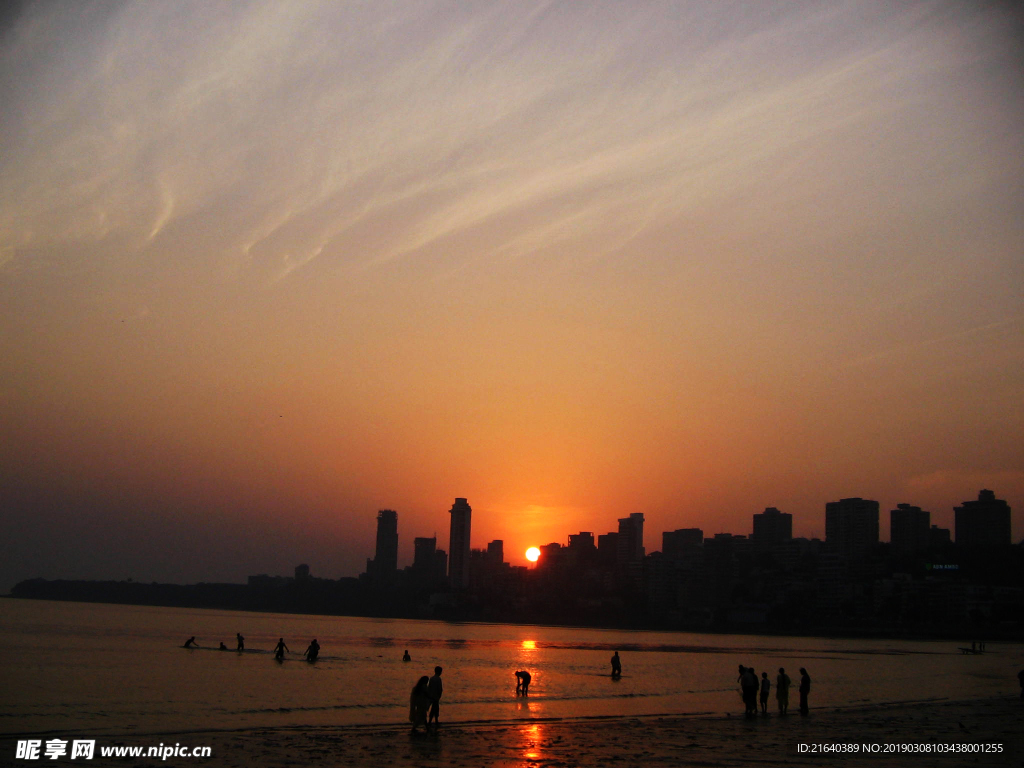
(386, 556)
(423, 550)
(382, 570)
(909, 529)
(851, 528)
(458, 544)
(608, 548)
(984, 523)
(680, 542)
(496, 552)
(581, 552)
(630, 544)
(772, 527)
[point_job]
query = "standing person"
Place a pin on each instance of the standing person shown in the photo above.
(280, 648)
(434, 691)
(616, 665)
(1020, 676)
(749, 685)
(419, 703)
(743, 690)
(406, 656)
(241, 641)
(782, 683)
(313, 651)
(766, 686)
(805, 688)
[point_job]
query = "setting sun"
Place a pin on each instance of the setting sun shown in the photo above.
(532, 554)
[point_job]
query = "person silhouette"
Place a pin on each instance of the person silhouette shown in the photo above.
(280, 648)
(190, 643)
(419, 703)
(1020, 677)
(434, 691)
(782, 683)
(241, 641)
(748, 687)
(222, 646)
(616, 665)
(313, 651)
(805, 689)
(523, 679)
(766, 686)
(406, 656)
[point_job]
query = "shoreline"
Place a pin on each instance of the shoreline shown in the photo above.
(709, 739)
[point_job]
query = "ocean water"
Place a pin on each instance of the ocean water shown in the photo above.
(121, 670)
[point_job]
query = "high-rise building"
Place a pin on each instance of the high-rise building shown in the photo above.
(496, 552)
(581, 542)
(909, 529)
(440, 564)
(772, 527)
(608, 548)
(630, 545)
(679, 542)
(423, 549)
(382, 570)
(385, 561)
(984, 523)
(851, 527)
(581, 552)
(458, 544)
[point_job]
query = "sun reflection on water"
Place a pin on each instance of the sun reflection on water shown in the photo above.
(532, 738)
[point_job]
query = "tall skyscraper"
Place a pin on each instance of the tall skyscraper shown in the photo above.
(631, 539)
(772, 527)
(387, 541)
(909, 529)
(496, 552)
(383, 569)
(851, 526)
(984, 523)
(458, 544)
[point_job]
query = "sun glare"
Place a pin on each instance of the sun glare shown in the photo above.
(532, 554)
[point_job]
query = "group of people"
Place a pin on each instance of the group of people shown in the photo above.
(752, 689)
(311, 654)
(425, 701)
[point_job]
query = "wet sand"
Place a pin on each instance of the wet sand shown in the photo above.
(699, 740)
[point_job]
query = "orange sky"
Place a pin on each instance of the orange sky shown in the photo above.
(266, 269)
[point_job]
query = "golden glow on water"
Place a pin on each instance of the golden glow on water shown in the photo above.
(529, 645)
(532, 748)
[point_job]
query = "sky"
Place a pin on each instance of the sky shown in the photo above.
(266, 268)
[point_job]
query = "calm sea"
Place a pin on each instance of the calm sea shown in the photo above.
(112, 669)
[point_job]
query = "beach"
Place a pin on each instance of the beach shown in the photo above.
(648, 741)
(117, 676)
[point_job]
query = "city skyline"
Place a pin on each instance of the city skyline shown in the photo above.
(268, 269)
(777, 527)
